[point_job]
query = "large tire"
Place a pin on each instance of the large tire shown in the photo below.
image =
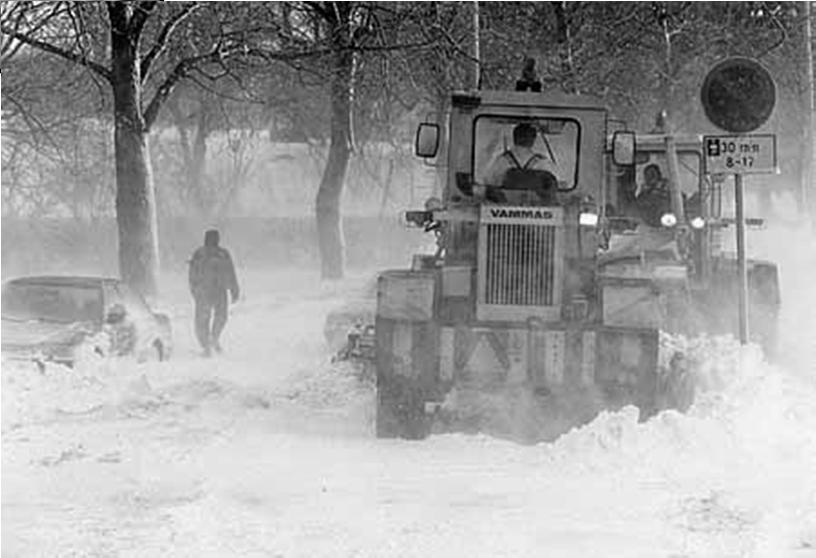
(401, 410)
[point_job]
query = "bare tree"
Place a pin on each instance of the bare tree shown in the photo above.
(341, 33)
(65, 30)
(347, 30)
(141, 50)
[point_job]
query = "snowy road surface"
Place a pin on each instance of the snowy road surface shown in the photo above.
(268, 450)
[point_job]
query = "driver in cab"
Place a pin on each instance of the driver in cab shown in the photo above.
(521, 168)
(650, 203)
(653, 199)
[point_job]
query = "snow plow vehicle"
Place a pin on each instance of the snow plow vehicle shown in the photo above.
(515, 300)
(667, 188)
(558, 282)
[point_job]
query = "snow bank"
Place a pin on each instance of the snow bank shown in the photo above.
(275, 353)
(30, 396)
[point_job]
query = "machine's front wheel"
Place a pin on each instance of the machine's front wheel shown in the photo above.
(401, 410)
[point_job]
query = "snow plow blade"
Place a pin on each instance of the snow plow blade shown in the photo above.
(572, 373)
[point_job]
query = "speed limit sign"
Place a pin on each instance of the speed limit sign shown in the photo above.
(745, 154)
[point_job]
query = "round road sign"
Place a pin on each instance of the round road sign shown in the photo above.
(738, 95)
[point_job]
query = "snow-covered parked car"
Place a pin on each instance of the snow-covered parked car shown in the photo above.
(62, 319)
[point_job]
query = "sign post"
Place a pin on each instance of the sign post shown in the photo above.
(742, 265)
(738, 96)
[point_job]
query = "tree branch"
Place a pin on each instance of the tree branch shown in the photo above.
(161, 41)
(22, 17)
(117, 15)
(82, 60)
(166, 87)
(179, 72)
(35, 126)
(322, 11)
(782, 38)
(141, 14)
(222, 55)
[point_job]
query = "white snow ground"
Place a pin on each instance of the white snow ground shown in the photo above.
(268, 450)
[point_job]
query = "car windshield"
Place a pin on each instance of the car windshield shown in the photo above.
(58, 303)
(537, 143)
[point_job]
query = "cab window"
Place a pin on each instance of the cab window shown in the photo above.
(554, 147)
(649, 174)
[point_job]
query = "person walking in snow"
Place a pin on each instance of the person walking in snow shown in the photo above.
(212, 277)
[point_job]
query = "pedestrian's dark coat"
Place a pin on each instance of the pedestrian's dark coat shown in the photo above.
(212, 276)
(211, 270)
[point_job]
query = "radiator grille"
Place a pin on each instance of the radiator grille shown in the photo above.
(520, 264)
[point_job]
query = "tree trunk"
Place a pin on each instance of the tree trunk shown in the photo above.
(473, 69)
(389, 178)
(806, 197)
(195, 192)
(135, 196)
(667, 89)
(198, 162)
(329, 194)
(570, 77)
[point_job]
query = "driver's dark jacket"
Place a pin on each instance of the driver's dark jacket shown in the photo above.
(652, 204)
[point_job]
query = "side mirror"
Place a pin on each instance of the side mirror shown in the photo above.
(427, 140)
(116, 314)
(623, 148)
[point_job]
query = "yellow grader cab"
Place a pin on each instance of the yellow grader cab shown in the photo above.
(515, 299)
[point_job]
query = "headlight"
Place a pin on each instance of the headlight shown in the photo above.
(697, 223)
(588, 220)
(668, 220)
